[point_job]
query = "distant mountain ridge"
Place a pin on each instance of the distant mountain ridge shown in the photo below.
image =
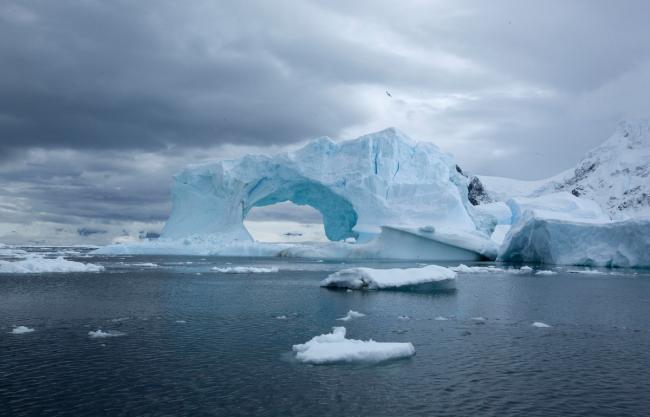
(615, 174)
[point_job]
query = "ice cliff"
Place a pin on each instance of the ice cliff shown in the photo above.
(359, 185)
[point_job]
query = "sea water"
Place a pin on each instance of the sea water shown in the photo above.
(188, 340)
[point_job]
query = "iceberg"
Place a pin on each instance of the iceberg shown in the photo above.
(335, 348)
(380, 195)
(33, 264)
(537, 239)
(428, 278)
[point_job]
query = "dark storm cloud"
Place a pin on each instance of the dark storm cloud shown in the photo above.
(148, 75)
(102, 101)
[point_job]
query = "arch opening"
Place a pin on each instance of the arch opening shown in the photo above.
(339, 216)
(285, 222)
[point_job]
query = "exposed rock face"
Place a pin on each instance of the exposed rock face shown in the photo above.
(476, 192)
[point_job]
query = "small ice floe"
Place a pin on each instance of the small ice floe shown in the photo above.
(479, 319)
(586, 271)
(404, 317)
(21, 330)
(428, 278)
(351, 315)
(119, 319)
(281, 317)
(147, 264)
(545, 272)
(540, 324)
(34, 264)
(335, 348)
(464, 269)
(246, 270)
(99, 334)
(180, 321)
(441, 318)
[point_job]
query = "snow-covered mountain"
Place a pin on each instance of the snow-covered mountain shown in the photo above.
(615, 174)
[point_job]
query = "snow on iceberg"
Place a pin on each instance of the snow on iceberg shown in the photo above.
(21, 330)
(351, 315)
(335, 348)
(359, 186)
(428, 278)
(38, 264)
(245, 269)
(558, 206)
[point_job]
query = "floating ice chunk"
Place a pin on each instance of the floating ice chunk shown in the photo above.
(246, 270)
(586, 271)
(119, 319)
(282, 317)
(21, 330)
(545, 272)
(540, 324)
(38, 264)
(147, 264)
(99, 334)
(404, 317)
(335, 348)
(351, 315)
(479, 318)
(464, 269)
(428, 278)
(441, 318)
(180, 321)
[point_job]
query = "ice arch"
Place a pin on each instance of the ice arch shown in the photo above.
(383, 178)
(339, 216)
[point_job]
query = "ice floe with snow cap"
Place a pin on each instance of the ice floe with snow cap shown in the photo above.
(428, 278)
(336, 348)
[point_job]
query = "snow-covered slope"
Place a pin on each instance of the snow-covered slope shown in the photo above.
(615, 174)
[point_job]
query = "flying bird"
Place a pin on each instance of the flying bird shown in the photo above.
(388, 94)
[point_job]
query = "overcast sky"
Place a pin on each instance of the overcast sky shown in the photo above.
(102, 101)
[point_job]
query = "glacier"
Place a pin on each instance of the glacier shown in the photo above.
(380, 195)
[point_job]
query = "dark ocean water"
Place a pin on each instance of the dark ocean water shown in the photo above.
(204, 343)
